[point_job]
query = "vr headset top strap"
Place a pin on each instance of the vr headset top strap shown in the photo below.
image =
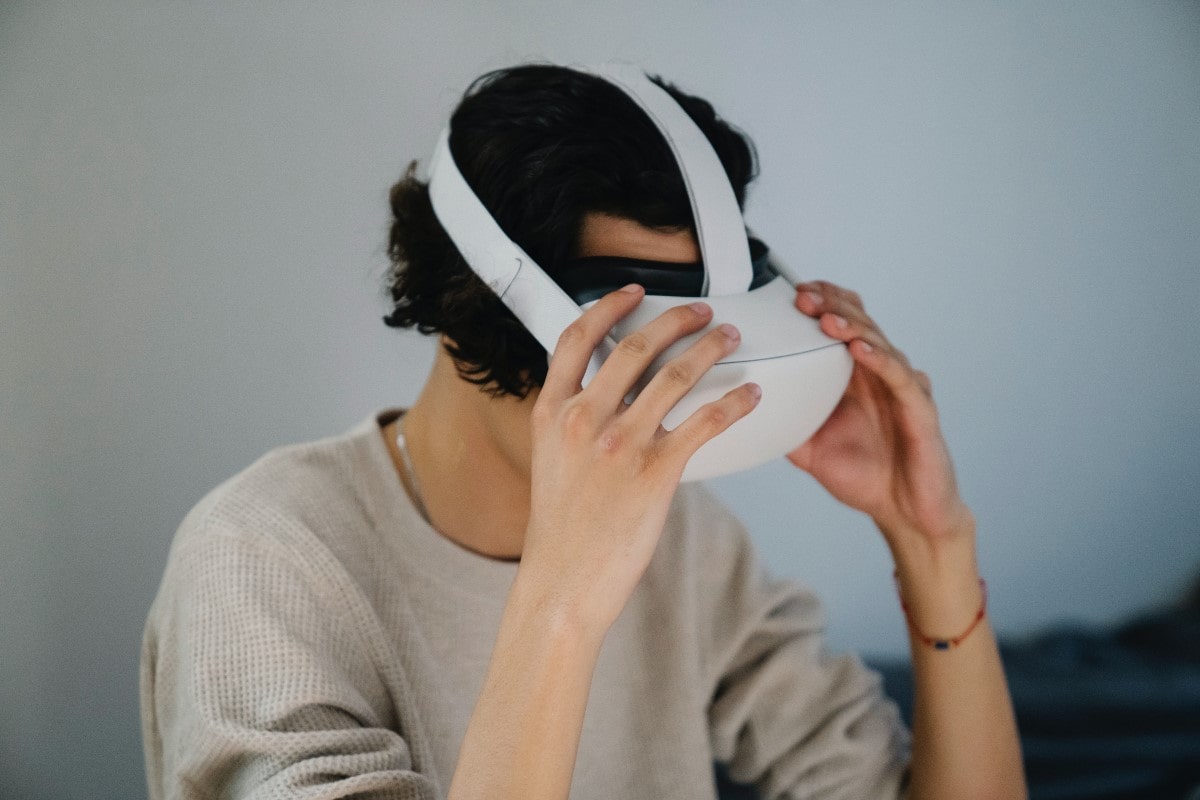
(541, 305)
(719, 226)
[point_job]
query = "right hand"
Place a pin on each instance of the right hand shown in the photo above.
(603, 473)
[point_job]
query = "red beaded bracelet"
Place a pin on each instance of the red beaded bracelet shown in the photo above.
(933, 641)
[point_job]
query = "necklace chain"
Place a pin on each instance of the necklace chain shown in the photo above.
(412, 475)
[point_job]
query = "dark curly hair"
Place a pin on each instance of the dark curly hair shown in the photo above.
(541, 146)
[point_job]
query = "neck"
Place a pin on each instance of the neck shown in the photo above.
(471, 455)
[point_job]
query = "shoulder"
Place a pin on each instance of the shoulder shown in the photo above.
(292, 496)
(310, 511)
(284, 538)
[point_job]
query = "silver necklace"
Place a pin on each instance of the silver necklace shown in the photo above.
(412, 475)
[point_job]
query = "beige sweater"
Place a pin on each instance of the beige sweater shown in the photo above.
(314, 637)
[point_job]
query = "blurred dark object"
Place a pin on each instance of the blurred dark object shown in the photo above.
(1104, 713)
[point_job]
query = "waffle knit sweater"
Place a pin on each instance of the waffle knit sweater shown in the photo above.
(314, 637)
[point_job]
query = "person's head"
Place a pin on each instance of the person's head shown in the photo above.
(550, 152)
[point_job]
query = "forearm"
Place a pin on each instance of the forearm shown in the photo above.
(965, 741)
(523, 735)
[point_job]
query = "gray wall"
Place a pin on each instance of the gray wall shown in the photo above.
(192, 211)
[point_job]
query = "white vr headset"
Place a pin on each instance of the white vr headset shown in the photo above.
(802, 371)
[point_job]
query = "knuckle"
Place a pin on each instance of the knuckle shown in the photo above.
(577, 419)
(573, 334)
(635, 344)
(678, 373)
(716, 416)
(611, 441)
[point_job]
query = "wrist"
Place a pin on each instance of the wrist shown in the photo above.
(924, 556)
(938, 581)
(541, 600)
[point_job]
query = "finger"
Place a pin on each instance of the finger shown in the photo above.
(579, 340)
(900, 378)
(842, 320)
(707, 422)
(850, 296)
(677, 377)
(847, 331)
(814, 303)
(635, 352)
(829, 289)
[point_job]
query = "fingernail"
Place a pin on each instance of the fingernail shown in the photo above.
(867, 348)
(840, 322)
(632, 288)
(700, 308)
(730, 332)
(755, 390)
(813, 298)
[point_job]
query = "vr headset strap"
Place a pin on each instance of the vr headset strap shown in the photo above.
(719, 226)
(541, 305)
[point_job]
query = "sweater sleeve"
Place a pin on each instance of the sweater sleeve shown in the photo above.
(256, 682)
(785, 714)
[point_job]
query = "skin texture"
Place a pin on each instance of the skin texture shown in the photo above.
(576, 486)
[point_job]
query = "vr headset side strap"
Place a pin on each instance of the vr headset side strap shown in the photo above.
(524, 287)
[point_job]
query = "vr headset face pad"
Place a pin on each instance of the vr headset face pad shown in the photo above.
(591, 277)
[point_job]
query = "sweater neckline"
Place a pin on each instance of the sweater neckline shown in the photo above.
(438, 555)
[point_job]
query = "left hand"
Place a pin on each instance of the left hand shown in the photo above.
(882, 451)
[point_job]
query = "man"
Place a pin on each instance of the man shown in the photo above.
(504, 592)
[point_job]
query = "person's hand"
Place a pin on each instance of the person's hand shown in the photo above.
(603, 473)
(882, 451)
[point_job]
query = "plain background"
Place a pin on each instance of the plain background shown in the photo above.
(192, 217)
